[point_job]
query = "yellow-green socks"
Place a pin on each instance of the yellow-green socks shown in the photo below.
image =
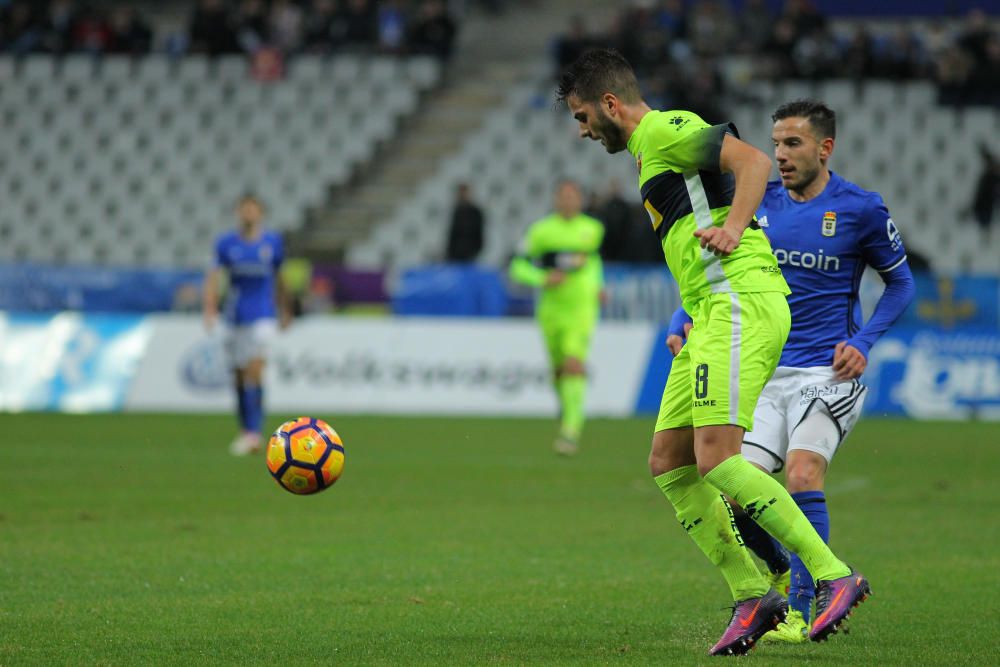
(572, 394)
(708, 519)
(768, 503)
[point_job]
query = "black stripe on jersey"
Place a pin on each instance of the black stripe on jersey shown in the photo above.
(668, 194)
(852, 328)
(554, 259)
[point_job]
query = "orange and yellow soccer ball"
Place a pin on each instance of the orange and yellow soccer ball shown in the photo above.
(305, 455)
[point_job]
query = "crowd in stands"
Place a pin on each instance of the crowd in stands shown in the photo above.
(676, 46)
(218, 27)
(68, 26)
(323, 26)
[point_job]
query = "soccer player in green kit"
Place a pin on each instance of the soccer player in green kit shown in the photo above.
(701, 185)
(559, 254)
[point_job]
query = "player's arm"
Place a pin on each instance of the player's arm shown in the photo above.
(282, 295)
(283, 298)
(524, 270)
(882, 248)
(677, 331)
(750, 168)
(210, 297)
(850, 357)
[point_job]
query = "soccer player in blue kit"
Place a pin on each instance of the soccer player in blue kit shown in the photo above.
(252, 257)
(823, 230)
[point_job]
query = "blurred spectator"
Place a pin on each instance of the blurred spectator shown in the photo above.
(573, 43)
(267, 64)
(952, 72)
(618, 219)
(754, 26)
(671, 18)
(20, 29)
(356, 24)
(985, 76)
(780, 47)
(129, 34)
(858, 61)
(976, 34)
(465, 234)
(284, 24)
(91, 32)
(211, 30)
(803, 17)
(901, 58)
(391, 26)
(433, 32)
(251, 25)
(815, 55)
(318, 26)
(710, 28)
(57, 30)
(987, 189)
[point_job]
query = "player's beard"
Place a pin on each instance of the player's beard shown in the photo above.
(804, 177)
(613, 136)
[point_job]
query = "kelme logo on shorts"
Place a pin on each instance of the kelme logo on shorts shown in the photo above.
(679, 121)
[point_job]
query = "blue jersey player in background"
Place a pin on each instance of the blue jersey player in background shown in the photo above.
(824, 231)
(251, 257)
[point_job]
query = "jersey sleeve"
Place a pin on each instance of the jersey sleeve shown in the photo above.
(522, 267)
(220, 258)
(278, 258)
(881, 244)
(698, 148)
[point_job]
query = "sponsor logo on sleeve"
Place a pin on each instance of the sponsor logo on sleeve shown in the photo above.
(895, 241)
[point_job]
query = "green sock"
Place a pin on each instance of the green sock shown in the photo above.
(768, 503)
(708, 519)
(572, 393)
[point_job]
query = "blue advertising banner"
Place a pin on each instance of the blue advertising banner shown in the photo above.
(922, 373)
(951, 303)
(928, 374)
(68, 362)
(43, 288)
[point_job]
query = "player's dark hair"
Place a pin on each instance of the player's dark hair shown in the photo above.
(596, 72)
(821, 117)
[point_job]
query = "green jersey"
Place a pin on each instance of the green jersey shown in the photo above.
(570, 245)
(683, 190)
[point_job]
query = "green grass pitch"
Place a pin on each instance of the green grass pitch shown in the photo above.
(138, 540)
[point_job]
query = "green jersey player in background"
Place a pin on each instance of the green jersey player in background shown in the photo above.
(559, 255)
(701, 186)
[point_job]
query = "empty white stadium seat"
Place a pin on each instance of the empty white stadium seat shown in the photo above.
(127, 161)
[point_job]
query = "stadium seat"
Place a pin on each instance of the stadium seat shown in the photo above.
(153, 152)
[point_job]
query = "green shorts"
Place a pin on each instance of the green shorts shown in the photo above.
(567, 337)
(730, 355)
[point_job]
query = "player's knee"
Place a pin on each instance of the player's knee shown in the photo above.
(669, 451)
(806, 474)
(706, 466)
(658, 464)
(254, 372)
(573, 366)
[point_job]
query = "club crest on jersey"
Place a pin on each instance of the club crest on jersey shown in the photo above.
(829, 223)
